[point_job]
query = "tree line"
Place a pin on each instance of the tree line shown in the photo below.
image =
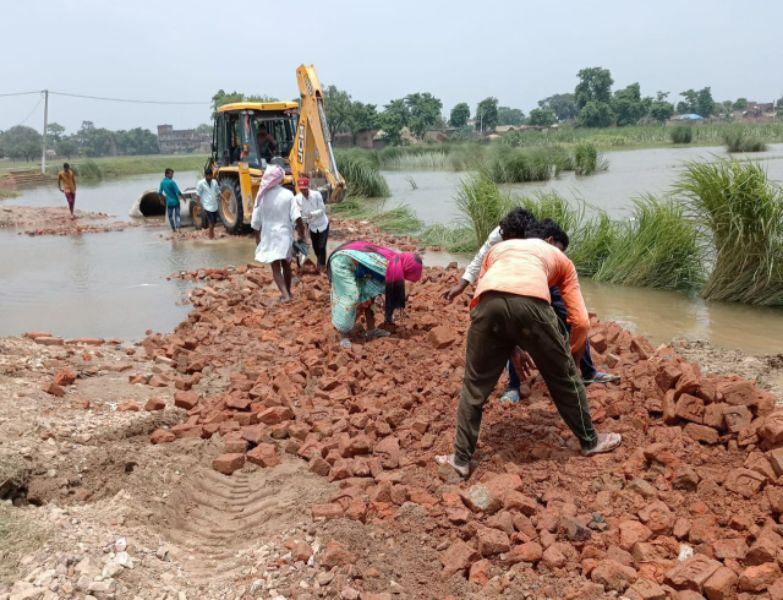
(25, 143)
(593, 103)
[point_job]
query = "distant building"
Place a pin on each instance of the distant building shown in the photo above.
(182, 141)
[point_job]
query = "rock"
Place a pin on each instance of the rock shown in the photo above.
(64, 377)
(479, 572)
(458, 557)
(301, 551)
(632, 532)
(722, 585)
(744, 482)
(55, 390)
(335, 554)
(154, 404)
(692, 573)
(441, 337)
(553, 557)
(645, 589)
(185, 399)
(758, 578)
(228, 463)
(613, 575)
(264, 455)
(530, 552)
(162, 436)
(129, 406)
(492, 541)
(478, 498)
(327, 511)
(701, 433)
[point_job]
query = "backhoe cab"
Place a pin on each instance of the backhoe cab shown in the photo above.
(248, 136)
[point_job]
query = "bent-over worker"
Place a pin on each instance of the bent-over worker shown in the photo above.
(359, 272)
(511, 312)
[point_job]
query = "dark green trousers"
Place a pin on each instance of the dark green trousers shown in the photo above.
(498, 324)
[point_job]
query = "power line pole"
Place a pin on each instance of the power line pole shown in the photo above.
(46, 124)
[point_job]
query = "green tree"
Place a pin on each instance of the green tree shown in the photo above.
(705, 105)
(337, 106)
(222, 97)
(459, 115)
(596, 114)
(21, 142)
(689, 104)
(55, 131)
(487, 114)
(740, 104)
(510, 116)
(394, 117)
(661, 109)
(595, 85)
(95, 141)
(136, 141)
(628, 105)
(67, 147)
(424, 110)
(563, 105)
(363, 117)
(542, 117)
(204, 128)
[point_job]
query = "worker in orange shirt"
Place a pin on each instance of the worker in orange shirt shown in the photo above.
(511, 315)
(66, 181)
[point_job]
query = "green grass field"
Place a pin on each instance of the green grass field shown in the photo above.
(109, 167)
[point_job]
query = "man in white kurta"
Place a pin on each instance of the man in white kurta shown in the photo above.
(275, 216)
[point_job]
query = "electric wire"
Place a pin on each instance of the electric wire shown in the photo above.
(127, 100)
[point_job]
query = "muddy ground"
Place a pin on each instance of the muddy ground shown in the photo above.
(57, 221)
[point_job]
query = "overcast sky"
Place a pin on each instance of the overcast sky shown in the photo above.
(460, 50)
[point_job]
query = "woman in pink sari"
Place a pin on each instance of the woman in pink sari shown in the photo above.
(359, 272)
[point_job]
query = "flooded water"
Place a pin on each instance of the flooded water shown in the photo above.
(114, 284)
(631, 173)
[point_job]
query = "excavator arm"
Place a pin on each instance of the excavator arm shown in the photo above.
(312, 155)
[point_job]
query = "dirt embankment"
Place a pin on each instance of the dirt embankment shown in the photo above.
(37, 221)
(333, 491)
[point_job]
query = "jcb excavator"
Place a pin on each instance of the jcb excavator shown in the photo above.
(248, 136)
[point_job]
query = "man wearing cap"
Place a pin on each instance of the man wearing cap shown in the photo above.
(311, 205)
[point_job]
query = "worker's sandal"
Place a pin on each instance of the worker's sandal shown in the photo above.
(448, 459)
(510, 396)
(606, 443)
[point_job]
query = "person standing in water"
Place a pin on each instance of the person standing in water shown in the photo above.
(66, 181)
(275, 216)
(170, 189)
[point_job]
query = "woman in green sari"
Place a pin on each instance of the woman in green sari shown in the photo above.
(359, 272)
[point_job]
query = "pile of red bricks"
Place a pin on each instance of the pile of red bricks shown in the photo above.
(688, 507)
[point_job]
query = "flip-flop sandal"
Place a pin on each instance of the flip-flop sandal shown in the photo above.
(448, 459)
(345, 343)
(377, 333)
(606, 443)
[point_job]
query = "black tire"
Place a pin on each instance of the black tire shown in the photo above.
(230, 205)
(198, 215)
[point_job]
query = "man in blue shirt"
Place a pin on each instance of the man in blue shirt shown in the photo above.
(170, 189)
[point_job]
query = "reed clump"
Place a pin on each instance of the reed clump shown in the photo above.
(681, 134)
(361, 174)
(739, 216)
(481, 204)
(739, 139)
(656, 248)
(585, 158)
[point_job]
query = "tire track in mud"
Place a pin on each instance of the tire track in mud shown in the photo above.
(211, 520)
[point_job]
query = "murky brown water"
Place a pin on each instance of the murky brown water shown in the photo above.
(114, 284)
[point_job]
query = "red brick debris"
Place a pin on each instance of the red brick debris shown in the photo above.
(700, 470)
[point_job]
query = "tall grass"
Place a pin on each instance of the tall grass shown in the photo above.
(399, 221)
(681, 134)
(740, 216)
(453, 239)
(738, 139)
(481, 205)
(515, 165)
(97, 169)
(585, 158)
(656, 248)
(361, 174)
(593, 241)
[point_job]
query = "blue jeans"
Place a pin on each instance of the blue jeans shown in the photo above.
(585, 365)
(174, 218)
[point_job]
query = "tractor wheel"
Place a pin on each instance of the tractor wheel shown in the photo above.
(230, 205)
(197, 215)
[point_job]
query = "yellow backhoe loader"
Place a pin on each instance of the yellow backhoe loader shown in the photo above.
(248, 136)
